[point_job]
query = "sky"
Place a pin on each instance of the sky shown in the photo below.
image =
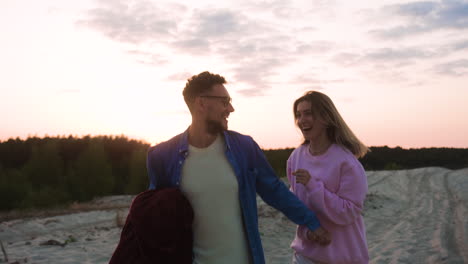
(396, 70)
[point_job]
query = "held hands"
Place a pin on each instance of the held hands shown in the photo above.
(320, 235)
(302, 176)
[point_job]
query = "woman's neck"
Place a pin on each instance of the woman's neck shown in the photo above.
(319, 147)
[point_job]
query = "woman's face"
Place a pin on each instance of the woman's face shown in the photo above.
(311, 127)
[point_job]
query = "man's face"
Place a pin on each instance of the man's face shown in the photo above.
(218, 107)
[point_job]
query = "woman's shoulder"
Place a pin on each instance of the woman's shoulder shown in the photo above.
(298, 151)
(345, 156)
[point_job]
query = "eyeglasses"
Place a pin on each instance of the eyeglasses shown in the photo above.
(226, 100)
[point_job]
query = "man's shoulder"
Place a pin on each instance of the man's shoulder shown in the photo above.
(233, 133)
(165, 146)
(238, 138)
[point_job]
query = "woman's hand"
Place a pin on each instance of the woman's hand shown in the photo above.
(302, 176)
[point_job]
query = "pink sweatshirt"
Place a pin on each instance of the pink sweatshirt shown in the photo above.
(336, 193)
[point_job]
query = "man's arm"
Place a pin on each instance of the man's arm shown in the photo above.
(275, 193)
(150, 162)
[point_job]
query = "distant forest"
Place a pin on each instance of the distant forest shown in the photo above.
(52, 171)
(385, 158)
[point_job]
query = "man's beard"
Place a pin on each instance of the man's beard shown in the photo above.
(214, 127)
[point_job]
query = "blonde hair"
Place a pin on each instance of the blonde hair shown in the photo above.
(337, 130)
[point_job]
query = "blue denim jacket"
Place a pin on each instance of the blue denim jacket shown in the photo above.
(254, 175)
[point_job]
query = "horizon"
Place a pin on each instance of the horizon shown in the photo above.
(397, 71)
(146, 142)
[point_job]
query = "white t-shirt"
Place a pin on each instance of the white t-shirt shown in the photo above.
(210, 184)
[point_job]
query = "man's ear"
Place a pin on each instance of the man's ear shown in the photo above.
(198, 104)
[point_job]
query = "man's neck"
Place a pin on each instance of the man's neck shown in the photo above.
(199, 137)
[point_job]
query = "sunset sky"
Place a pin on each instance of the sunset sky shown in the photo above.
(396, 70)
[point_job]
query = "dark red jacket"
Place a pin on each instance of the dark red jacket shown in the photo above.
(158, 229)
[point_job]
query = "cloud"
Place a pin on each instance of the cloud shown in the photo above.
(217, 31)
(218, 23)
(279, 8)
(399, 31)
(402, 56)
(386, 63)
(415, 9)
(461, 45)
(133, 22)
(285, 9)
(313, 88)
(315, 47)
(453, 68)
(425, 16)
(255, 47)
(196, 46)
(254, 74)
(252, 92)
(181, 76)
(308, 29)
(346, 59)
(393, 54)
(148, 58)
(310, 79)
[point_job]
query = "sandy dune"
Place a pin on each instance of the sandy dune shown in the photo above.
(421, 216)
(412, 216)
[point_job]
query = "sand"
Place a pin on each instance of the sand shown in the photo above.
(412, 216)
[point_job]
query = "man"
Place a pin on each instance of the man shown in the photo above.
(220, 172)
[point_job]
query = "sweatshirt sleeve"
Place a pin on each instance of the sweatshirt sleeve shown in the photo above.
(289, 175)
(275, 193)
(345, 205)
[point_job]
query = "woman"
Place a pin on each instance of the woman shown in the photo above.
(325, 174)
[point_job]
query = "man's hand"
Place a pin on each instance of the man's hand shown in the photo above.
(320, 235)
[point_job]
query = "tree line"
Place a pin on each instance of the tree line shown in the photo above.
(386, 158)
(52, 171)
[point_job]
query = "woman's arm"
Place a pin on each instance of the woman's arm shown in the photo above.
(291, 181)
(345, 205)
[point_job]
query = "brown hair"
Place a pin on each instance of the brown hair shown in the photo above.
(199, 84)
(337, 130)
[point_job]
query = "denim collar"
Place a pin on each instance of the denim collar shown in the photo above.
(183, 143)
